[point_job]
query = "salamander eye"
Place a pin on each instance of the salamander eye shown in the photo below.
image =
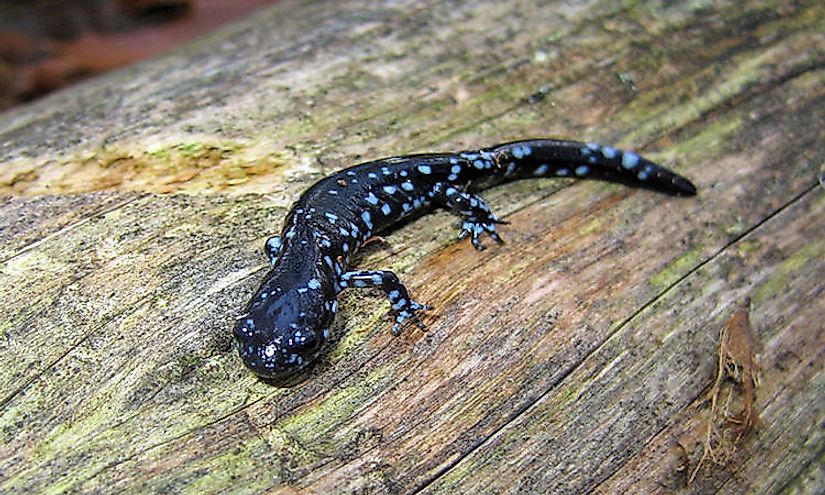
(305, 340)
(244, 328)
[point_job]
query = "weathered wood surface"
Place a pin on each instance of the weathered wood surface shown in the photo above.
(577, 357)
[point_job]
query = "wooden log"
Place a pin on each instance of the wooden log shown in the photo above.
(580, 356)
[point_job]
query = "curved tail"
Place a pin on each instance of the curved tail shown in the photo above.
(552, 158)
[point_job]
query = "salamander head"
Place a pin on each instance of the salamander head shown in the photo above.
(284, 328)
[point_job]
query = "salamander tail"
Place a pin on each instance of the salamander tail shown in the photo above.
(552, 158)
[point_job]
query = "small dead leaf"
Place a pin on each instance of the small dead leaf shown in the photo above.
(735, 387)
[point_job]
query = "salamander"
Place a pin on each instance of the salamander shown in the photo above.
(288, 318)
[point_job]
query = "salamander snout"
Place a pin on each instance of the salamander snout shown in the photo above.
(287, 321)
(273, 354)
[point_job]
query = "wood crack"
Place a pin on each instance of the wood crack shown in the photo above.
(488, 439)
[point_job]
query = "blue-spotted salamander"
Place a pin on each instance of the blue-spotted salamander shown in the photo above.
(288, 319)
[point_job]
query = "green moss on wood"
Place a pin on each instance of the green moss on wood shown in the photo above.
(791, 268)
(318, 419)
(676, 269)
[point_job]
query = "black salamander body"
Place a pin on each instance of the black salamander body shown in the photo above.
(288, 319)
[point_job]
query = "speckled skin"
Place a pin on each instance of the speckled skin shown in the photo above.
(287, 321)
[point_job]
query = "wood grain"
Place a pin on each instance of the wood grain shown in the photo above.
(575, 358)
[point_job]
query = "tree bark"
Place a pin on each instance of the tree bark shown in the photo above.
(581, 356)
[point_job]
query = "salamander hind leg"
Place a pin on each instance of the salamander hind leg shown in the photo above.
(473, 210)
(403, 308)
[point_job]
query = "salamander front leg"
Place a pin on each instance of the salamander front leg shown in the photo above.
(273, 248)
(473, 210)
(402, 306)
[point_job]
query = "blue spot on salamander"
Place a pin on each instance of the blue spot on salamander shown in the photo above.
(367, 219)
(520, 152)
(630, 160)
